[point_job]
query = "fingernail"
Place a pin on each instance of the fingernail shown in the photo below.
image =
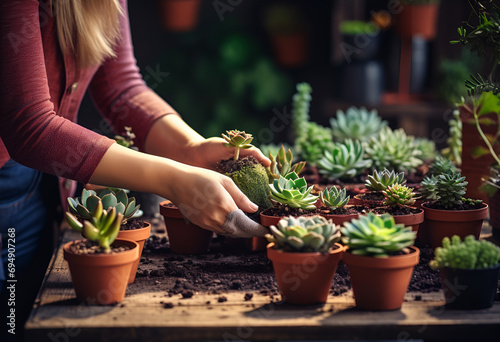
(254, 206)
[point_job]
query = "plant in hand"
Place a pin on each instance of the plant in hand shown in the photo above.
(293, 191)
(345, 161)
(247, 173)
(304, 234)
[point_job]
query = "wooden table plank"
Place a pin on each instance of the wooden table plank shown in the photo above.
(57, 316)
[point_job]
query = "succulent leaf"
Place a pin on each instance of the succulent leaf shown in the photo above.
(293, 191)
(334, 198)
(356, 123)
(344, 161)
(399, 195)
(379, 181)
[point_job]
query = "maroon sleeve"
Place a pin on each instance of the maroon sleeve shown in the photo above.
(121, 94)
(30, 129)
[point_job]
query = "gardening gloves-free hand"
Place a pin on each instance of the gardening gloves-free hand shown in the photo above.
(239, 225)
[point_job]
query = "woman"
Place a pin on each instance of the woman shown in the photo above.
(52, 51)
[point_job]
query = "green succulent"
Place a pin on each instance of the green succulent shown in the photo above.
(377, 236)
(427, 148)
(399, 195)
(126, 139)
(379, 181)
(238, 139)
(344, 161)
(85, 206)
(393, 150)
(454, 150)
(282, 164)
(274, 148)
(356, 123)
(293, 191)
(334, 198)
(301, 103)
(441, 165)
(447, 189)
(304, 234)
(467, 254)
(103, 227)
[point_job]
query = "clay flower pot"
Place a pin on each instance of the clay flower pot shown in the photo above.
(179, 15)
(380, 283)
(139, 236)
(441, 223)
(304, 278)
(470, 289)
(340, 219)
(101, 278)
(184, 237)
(411, 220)
(361, 200)
(418, 20)
(290, 49)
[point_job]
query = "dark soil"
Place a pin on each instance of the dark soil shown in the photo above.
(133, 224)
(231, 165)
(348, 210)
(460, 206)
(285, 210)
(89, 247)
(396, 210)
(373, 196)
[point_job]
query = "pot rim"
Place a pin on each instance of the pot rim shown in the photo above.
(136, 234)
(170, 212)
(124, 257)
(394, 261)
(297, 257)
(455, 215)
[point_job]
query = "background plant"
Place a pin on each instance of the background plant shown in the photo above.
(357, 124)
(334, 198)
(467, 254)
(453, 151)
(304, 234)
(293, 191)
(441, 165)
(377, 236)
(378, 181)
(281, 164)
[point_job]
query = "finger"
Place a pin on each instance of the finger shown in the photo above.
(239, 197)
(255, 152)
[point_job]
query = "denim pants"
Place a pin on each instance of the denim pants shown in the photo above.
(22, 208)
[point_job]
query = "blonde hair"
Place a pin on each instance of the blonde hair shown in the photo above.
(88, 28)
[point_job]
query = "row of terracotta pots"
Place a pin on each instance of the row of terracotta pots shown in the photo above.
(103, 278)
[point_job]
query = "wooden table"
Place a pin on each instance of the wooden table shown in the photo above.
(142, 316)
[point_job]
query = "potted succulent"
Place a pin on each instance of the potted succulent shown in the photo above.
(469, 271)
(179, 15)
(85, 208)
(304, 246)
(376, 184)
(380, 259)
(357, 124)
(100, 265)
(446, 211)
(333, 206)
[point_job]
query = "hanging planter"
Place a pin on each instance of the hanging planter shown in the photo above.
(179, 15)
(184, 236)
(418, 19)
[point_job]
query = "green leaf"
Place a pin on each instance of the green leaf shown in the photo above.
(121, 197)
(108, 201)
(488, 103)
(73, 222)
(92, 202)
(479, 151)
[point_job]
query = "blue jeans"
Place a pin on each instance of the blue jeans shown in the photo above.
(21, 207)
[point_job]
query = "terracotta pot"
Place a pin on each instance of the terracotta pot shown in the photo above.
(367, 202)
(340, 219)
(179, 15)
(304, 278)
(441, 223)
(290, 49)
(184, 236)
(470, 289)
(418, 20)
(380, 283)
(495, 215)
(268, 220)
(411, 220)
(101, 278)
(139, 236)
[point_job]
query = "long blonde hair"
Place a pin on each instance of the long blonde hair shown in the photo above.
(88, 28)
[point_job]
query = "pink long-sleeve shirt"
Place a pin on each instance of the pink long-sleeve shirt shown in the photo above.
(41, 90)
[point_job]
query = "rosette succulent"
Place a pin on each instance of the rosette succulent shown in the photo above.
(282, 164)
(84, 207)
(239, 140)
(393, 150)
(447, 189)
(356, 123)
(427, 148)
(377, 236)
(379, 181)
(344, 161)
(103, 227)
(441, 165)
(399, 195)
(467, 254)
(334, 198)
(304, 234)
(293, 191)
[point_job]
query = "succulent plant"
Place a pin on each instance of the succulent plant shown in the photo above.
(454, 150)
(447, 189)
(238, 139)
(393, 150)
(379, 181)
(356, 123)
(103, 227)
(334, 198)
(301, 102)
(399, 195)
(85, 206)
(377, 236)
(441, 165)
(427, 148)
(126, 139)
(293, 191)
(282, 164)
(345, 161)
(467, 254)
(304, 234)
(274, 148)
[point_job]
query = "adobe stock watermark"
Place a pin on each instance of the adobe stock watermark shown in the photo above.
(11, 280)
(221, 7)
